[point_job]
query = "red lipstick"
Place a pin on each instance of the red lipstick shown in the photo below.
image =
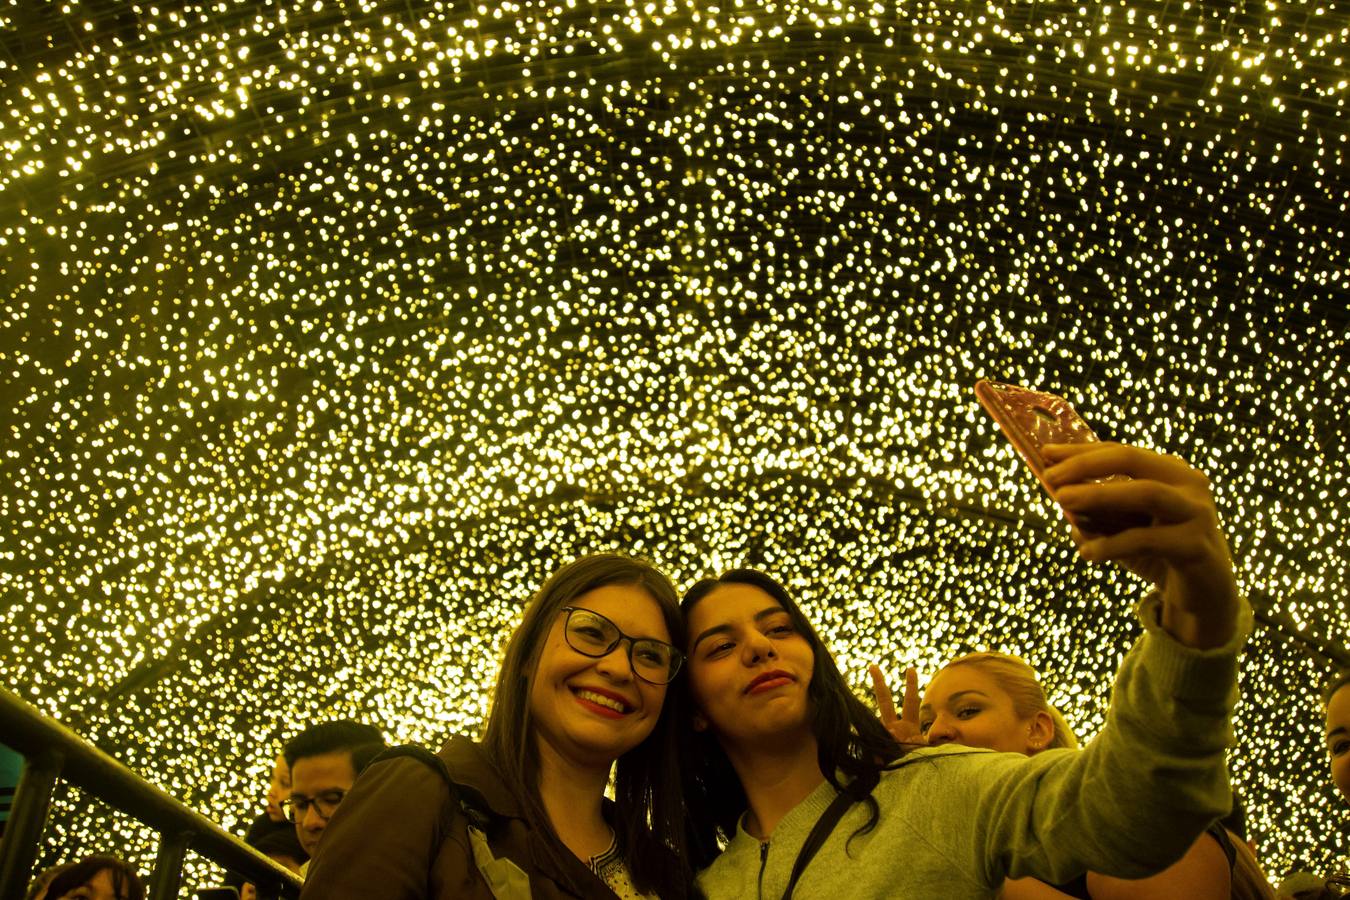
(767, 681)
(600, 709)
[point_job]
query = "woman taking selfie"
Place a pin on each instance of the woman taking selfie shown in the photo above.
(788, 748)
(523, 813)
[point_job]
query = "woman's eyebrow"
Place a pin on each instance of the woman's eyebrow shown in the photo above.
(725, 627)
(716, 629)
(953, 698)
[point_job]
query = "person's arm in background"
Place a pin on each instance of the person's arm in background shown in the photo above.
(1202, 874)
(1030, 889)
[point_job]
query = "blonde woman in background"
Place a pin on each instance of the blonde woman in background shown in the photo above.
(995, 701)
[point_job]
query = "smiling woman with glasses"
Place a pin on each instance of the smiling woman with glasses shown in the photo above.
(581, 696)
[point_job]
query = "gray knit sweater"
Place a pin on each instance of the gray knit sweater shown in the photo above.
(956, 822)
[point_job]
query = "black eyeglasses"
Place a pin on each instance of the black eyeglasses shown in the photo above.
(325, 805)
(591, 634)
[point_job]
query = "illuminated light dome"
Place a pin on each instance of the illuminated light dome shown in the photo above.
(331, 328)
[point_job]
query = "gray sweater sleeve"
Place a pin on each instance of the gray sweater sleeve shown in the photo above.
(1137, 796)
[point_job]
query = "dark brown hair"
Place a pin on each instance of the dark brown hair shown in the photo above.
(649, 814)
(126, 883)
(333, 737)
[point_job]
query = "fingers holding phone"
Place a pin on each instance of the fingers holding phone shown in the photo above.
(1170, 501)
(1110, 480)
(1152, 513)
(1177, 544)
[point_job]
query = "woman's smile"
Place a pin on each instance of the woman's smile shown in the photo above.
(604, 703)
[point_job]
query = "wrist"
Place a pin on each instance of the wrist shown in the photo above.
(1214, 628)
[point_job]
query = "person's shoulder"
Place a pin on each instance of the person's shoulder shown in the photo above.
(464, 753)
(918, 759)
(723, 874)
(410, 770)
(458, 753)
(263, 826)
(975, 757)
(944, 750)
(953, 764)
(477, 777)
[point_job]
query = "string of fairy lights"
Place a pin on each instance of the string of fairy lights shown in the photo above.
(332, 327)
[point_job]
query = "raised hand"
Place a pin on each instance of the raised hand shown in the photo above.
(1181, 550)
(904, 727)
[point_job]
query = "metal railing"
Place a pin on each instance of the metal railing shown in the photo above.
(55, 753)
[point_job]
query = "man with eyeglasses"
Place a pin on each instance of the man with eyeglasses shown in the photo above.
(324, 760)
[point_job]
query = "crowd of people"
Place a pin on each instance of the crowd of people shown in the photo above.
(642, 745)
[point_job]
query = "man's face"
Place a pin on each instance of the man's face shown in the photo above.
(318, 783)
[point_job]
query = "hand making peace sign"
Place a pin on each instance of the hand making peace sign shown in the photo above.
(905, 727)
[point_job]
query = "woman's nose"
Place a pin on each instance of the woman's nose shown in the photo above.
(942, 731)
(758, 646)
(615, 664)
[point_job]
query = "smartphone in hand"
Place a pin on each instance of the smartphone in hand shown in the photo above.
(1030, 420)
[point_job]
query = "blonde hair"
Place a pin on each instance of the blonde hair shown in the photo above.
(1019, 681)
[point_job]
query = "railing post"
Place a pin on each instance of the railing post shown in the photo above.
(27, 817)
(168, 876)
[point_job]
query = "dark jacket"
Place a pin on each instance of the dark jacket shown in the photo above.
(399, 835)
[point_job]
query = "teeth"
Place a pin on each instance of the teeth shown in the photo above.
(601, 700)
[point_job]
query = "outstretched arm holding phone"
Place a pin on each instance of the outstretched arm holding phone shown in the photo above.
(1181, 550)
(1175, 543)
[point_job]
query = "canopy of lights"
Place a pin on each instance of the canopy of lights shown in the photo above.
(332, 328)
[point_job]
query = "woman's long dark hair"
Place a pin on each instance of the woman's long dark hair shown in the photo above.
(649, 814)
(850, 739)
